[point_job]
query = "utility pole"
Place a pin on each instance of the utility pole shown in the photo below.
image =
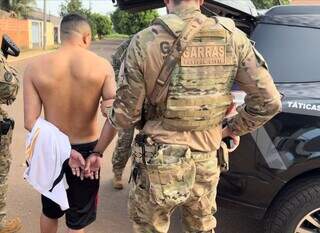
(90, 6)
(44, 24)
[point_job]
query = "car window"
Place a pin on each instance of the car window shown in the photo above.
(292, 53)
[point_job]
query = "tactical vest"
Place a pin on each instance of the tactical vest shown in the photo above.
(200, 88)
(9, 83)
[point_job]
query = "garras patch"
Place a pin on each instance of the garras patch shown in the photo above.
(204, 54)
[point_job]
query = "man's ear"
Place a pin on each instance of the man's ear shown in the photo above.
(201, 2)
(86, 39)
(166, 1)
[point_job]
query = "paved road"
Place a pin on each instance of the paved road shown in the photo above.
(112, 217)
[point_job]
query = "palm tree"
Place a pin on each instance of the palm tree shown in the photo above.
(20, 7)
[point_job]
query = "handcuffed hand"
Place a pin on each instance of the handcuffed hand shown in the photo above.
(227, 132)
(92, 168)
(77, 164)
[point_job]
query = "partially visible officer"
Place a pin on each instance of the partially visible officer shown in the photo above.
(122, 150)
(182, 68)
(9, 86)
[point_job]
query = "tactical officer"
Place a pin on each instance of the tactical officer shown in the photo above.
(122, 150)
(9, 86)
(177, 78)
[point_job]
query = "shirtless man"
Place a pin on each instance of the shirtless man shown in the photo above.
(69, 84)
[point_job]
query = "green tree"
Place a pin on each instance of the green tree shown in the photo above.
(71, 6)
(103, 24)
(20, 7)
(92, 22)
(131, 23)
(265, 4)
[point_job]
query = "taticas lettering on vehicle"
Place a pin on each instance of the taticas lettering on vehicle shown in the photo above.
(312, 107)
(204, 55)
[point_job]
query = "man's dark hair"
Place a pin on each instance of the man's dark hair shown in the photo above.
(73, 23)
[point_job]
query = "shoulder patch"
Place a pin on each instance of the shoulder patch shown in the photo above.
(227, 23)
(8, 77)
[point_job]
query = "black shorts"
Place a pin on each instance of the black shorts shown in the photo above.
(82, 196)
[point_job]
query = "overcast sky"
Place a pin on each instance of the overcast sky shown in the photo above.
(99, 6)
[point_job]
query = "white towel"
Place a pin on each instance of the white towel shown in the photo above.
(47, 149)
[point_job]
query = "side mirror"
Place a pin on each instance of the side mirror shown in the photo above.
(8, 47)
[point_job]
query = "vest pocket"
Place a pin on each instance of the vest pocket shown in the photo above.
(171, 180)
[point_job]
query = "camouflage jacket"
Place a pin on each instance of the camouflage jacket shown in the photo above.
(142, 65)
(9, 83)
(119, 55)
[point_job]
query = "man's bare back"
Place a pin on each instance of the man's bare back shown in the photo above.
(70, 83)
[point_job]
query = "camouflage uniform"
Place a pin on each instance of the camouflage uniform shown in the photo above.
(122, 150)
(9, 86)
(178, 166)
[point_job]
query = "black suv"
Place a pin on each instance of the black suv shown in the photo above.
(275, 173)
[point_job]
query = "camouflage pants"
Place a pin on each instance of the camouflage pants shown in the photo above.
(5, 162)
(174, 176)
(122, 151)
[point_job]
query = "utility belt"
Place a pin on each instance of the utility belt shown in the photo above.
(6, 125)
(145, 151)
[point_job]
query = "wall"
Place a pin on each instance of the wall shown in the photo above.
(50, 34)
(17, 30)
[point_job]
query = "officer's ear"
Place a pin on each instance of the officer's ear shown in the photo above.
(201, 2)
